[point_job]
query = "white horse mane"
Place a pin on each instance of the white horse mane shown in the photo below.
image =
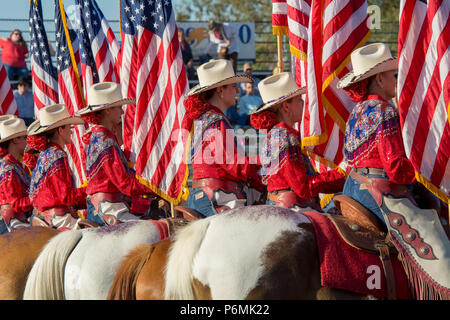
(178, 272)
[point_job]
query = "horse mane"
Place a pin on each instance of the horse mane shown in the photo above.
(46, 278)
(178, 271)
(124, 283)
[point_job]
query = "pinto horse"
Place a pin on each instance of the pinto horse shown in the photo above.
(81, 264)
(256, 252)
(18, 252)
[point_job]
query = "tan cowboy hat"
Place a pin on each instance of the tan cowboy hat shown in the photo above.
(368, 61)
(51, 117)
(276, 89)
(104, 95)
(12, 128)
(216, 73)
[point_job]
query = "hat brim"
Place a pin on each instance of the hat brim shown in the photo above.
(350, 78)
(36, 128)
(235, 79)
(268, 105)
(118, 103)
(15, 135)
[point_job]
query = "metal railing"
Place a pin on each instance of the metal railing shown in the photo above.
(265, 44)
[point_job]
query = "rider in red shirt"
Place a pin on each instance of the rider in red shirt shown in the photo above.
(15, 205)
(109, 178)
(223, 176)
(291, 179)
(52, 191)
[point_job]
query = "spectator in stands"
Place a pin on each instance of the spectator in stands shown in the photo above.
(247, 68)
(248, 103)
(24, 100)
(14, 53)
(225, 36)
(186, 51)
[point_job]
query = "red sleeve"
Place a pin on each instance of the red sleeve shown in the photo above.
(307, 187)
(392, 155)
(12, 190)
(240, 168)
(127, 184)
(60, 182)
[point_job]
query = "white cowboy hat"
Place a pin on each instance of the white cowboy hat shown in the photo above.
(104, 95)
(12, 128)
(7, 117)
(51, 117)
(216, 73)
(368, 61)
(276, 89)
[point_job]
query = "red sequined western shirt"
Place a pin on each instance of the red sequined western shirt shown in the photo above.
(217, 155)
(373, 139)
(106, 166)
(14, 184)
(52, 183)
(286, 167)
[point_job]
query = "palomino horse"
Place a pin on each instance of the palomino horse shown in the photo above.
(255, 252)
(18, 251)
(81, 264)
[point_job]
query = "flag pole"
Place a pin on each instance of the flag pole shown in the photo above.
(280, 64)
(69, 44)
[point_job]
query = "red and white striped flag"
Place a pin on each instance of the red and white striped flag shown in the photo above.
(423, 90)
(43, 74)
(128, 65)
(7, 101)
(70, 88)
(336, 28)
(159, 139)
(99, 48)
(279, 17)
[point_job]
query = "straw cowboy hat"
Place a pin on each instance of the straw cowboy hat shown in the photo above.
(12, 128)
(104, 95)
(51, 117)
(276, 89)
(368, 61)
(7, 117)
(216, 73)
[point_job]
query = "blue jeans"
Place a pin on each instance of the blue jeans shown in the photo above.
(90, 209)
(3, 228)
(22, 72)
(198, 200)
(352, 189)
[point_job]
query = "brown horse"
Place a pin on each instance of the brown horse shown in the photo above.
(256, 252)
(18, 251)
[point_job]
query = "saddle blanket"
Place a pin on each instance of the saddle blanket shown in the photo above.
(163, 228)
(345, 267)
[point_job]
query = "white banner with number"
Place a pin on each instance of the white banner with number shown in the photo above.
(198, 38)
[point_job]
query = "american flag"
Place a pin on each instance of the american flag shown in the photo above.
(336, 28)
(159, 139)
(423, 90)
(43, 74)
(70, 89)
(98, 57)
(291, 17)
(129, 68)
(7, 100)
(279, 17)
